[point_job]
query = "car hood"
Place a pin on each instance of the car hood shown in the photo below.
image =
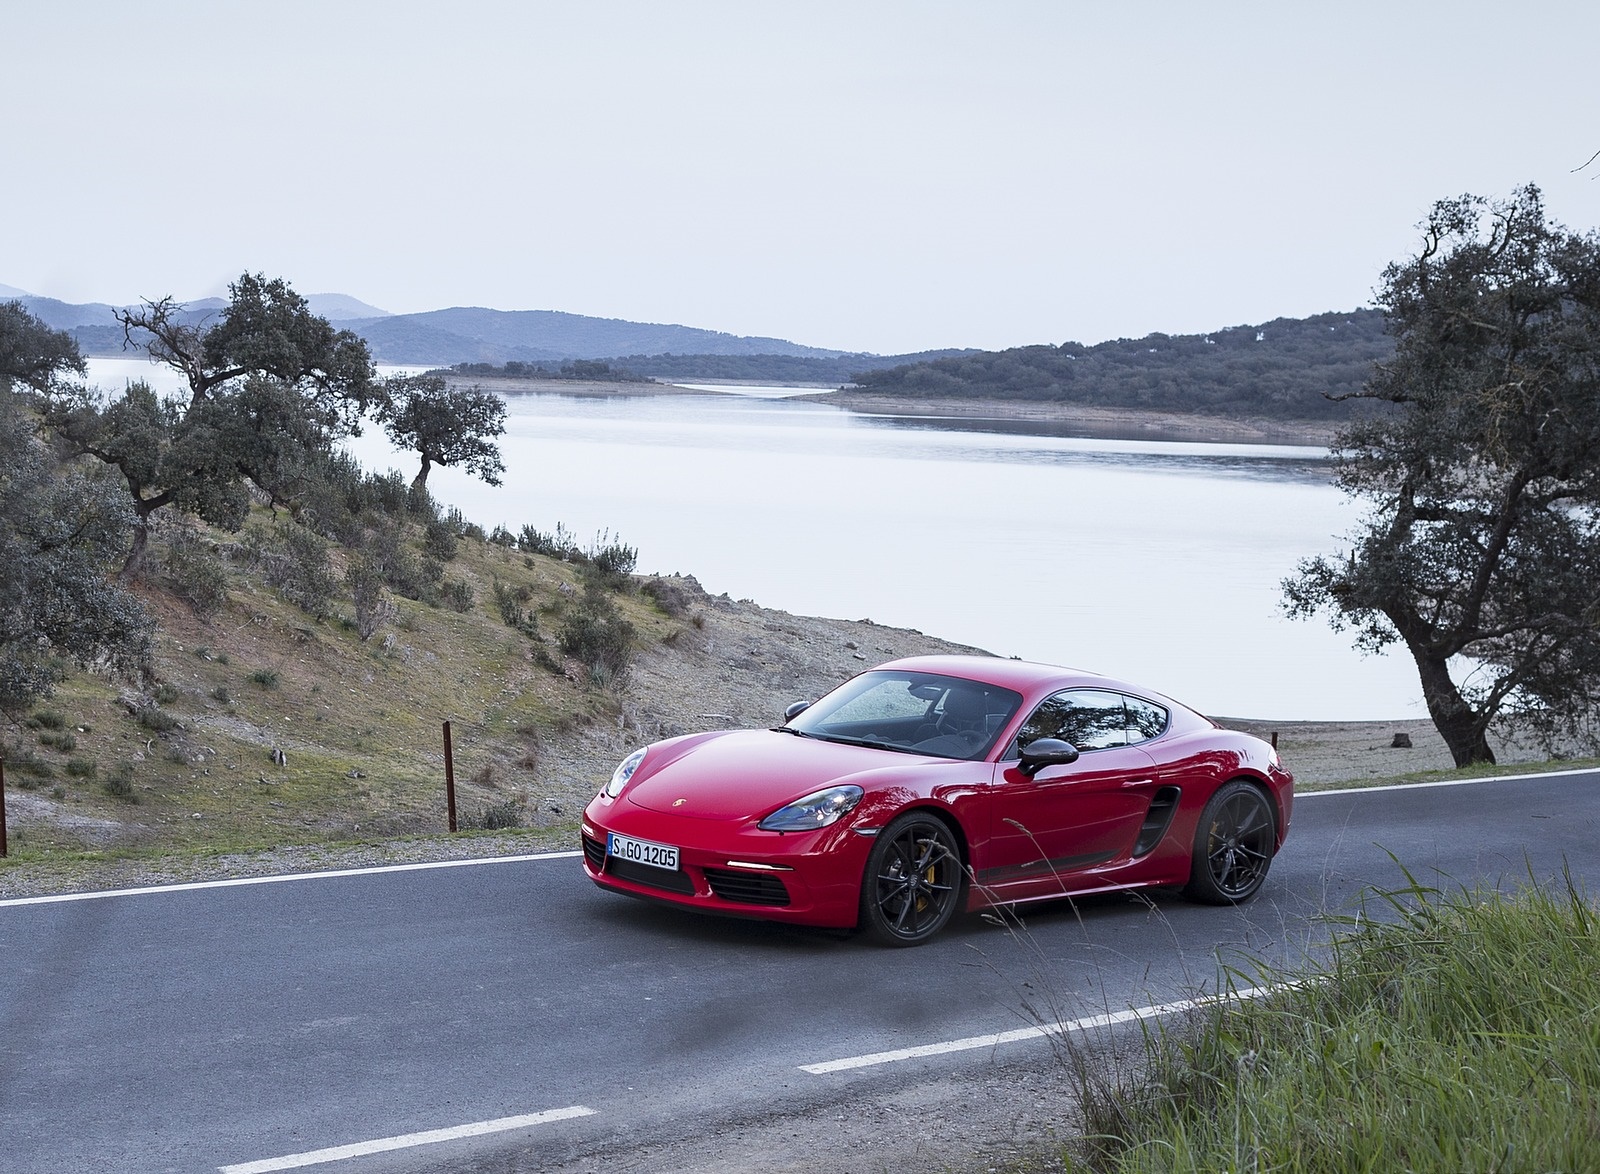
(748, 773)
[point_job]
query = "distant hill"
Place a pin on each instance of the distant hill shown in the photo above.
(338, 307)
(474, 334)
(1287, 367)
(94, 324)
(461, 334)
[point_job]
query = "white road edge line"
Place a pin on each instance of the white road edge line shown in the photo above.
(1543, 774)
(1042, 1031)
(361, 1149)
(235, 882)
(332, 874)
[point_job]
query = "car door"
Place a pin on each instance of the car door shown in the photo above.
(1071, 818)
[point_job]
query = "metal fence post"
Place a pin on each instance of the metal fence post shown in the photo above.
(449, 778)
(2, 804)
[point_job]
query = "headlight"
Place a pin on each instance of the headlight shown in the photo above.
(814, 811)
(624, 772)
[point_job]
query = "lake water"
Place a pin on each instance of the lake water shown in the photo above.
(1157, 562)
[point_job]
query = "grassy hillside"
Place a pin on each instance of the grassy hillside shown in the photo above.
(265, 723)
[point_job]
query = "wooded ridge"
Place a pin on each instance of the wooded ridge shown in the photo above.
(1289, 367)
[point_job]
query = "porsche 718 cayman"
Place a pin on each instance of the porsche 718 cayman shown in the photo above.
(933, 785)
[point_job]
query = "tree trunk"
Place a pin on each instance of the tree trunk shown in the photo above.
(420, 481)
(134, 564)
(1462, 727)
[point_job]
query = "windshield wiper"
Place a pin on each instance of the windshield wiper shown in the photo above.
(790, 730)
(868, 743)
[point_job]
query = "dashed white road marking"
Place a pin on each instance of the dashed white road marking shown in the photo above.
(1043, 1030)
(235, 882)
(361, 1149)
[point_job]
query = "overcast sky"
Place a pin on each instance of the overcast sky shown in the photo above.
(869, 176)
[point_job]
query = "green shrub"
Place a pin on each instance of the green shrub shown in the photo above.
(47, 719)
(165, 694)
(385, 547)
(120, 783)
(194, 573)
(388, 493)
(508, 601)
(82, 768)
(157, 721)
(562, 544)
(293, 559)
(613, 562)
(500, 815)
(266, 678)
(27, 768)
(439, 540)
(596, 634)
(373, 606)
(63, 742)
(456, 594)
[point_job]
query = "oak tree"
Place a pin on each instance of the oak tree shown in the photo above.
(1480, 549)
(445, 425)
(268, 387)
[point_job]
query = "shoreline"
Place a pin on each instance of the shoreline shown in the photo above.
(1055, 419)
(1088, 421)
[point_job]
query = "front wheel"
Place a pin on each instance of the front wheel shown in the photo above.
(1233, 845)
(913, 881)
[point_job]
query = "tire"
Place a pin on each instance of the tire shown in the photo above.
(914, 881)
(1233, 845)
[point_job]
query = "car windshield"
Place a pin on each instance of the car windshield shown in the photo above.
(913, 713)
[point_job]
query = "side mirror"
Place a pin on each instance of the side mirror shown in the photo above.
(796, 710)
(1043, 752)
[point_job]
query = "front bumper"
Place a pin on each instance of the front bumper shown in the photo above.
(807, 879)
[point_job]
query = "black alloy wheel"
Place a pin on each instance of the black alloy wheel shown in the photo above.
(913, 882)
(1233, 845)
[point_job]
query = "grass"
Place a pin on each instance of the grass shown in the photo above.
(1460, 1032)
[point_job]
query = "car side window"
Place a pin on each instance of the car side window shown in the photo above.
(1146, 720)
(1093, 719)
(1090, 719)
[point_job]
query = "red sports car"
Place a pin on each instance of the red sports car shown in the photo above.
(941, 783)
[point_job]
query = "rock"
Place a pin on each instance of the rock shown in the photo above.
(1402, 741)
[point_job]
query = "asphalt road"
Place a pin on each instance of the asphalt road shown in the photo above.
(221, 1027)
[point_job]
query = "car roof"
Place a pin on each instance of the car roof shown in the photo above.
(1024, 676)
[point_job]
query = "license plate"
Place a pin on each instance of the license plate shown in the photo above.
(642, 852)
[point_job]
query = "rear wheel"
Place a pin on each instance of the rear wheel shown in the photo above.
(1233, 845)
(913, 881)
